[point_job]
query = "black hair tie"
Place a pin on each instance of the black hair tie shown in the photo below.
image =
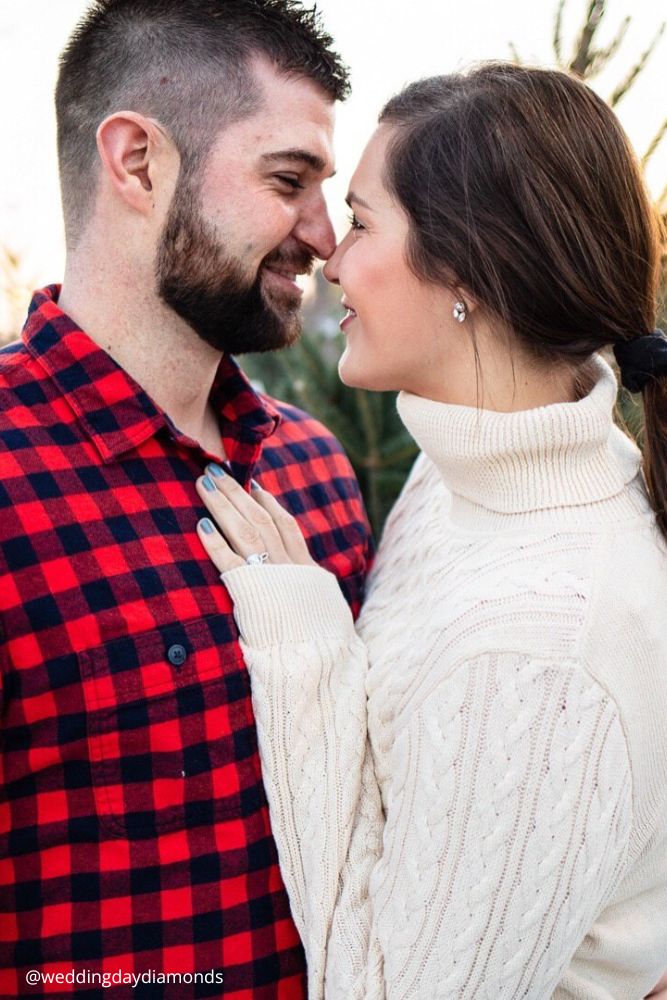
(641, 359)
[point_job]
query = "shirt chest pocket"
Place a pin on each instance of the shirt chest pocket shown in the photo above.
(171, 735)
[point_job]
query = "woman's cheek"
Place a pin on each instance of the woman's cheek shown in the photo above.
(373, 274)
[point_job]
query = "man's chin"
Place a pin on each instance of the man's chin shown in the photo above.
(286, 312)
(255, 321)
(284, 334)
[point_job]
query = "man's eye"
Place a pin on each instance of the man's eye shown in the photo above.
(292, 182)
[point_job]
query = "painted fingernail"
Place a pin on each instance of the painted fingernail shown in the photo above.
(255, 485)
(208, 484)
(216, 470)
(206, 526)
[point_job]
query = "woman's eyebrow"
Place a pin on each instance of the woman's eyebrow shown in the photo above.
(359, 201)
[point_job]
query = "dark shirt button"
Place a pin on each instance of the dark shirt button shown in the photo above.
(177, 655)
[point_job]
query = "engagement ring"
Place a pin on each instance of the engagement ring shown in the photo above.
(257, 558)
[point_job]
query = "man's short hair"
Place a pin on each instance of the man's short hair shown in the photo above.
(184, 63)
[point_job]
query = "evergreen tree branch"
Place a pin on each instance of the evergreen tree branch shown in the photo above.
(662, 205)
(558, 31)
(625, 84)
(602, 56)
(583, 56)
(655, 142)
(372, 460)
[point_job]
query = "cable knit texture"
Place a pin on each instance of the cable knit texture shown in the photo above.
(468, 793)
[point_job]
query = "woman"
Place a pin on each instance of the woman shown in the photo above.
(469, 794)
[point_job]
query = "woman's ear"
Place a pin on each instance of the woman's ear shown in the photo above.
(128, 144)
(463, 296)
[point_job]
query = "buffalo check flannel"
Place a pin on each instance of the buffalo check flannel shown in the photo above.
(134, 828)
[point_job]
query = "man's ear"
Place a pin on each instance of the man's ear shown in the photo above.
(127, 143)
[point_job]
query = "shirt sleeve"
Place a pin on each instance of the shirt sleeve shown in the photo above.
(308, 675)
(507, 826)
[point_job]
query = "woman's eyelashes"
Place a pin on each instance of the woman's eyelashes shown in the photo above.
(354, 222)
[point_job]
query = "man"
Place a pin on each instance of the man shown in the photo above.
(194, 138)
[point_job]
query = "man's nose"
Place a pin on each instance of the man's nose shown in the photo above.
(314, 228)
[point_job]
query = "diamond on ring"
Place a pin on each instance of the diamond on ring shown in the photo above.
(257, 558)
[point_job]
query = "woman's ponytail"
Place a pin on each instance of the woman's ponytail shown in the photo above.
(642, 363)
(655, 446)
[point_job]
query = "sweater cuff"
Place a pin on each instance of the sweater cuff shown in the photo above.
(288, 603)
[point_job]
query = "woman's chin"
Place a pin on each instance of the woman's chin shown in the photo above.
(354, 375)
(357, 375)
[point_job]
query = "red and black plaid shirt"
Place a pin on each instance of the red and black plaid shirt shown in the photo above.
(134, 829)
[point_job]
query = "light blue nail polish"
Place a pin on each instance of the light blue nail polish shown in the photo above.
(206, 526)
(208, 484)
(255, 485)
(216, 470)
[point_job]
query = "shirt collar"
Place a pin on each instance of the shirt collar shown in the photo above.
(112, 408)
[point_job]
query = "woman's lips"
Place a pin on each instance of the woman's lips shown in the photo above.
(349, 316)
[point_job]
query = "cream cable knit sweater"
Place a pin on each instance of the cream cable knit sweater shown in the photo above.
(503, 831)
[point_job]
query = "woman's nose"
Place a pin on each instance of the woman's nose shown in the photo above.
(330, 269)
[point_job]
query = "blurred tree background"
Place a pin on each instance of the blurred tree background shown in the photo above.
(306, 375)
(15, 291)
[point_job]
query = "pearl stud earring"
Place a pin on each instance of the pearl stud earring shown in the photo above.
(460, 312)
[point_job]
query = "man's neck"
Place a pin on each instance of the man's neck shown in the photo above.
(153, 345)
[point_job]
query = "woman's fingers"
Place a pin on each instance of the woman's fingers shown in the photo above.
(251, 524)
(247, 527)
(286, 525)
(218, 550)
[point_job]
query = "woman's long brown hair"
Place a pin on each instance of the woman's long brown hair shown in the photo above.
(522, 187)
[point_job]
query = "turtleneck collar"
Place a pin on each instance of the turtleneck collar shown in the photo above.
(562, 456)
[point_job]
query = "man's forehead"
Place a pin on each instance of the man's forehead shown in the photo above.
(294, 113)
(294, 121)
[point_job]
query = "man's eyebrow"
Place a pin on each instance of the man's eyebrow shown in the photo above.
(311, 160)
(360, 201)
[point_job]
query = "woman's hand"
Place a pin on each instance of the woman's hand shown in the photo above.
(255, 527)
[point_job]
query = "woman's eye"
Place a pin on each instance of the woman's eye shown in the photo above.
(291, 182)
(354, 222)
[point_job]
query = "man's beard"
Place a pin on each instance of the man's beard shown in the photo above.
(209, 290)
